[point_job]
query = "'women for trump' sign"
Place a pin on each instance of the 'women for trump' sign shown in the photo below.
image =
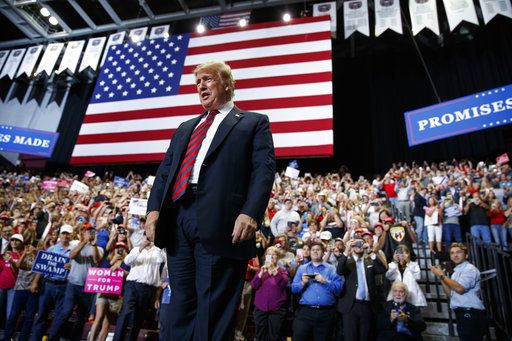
(104, 281)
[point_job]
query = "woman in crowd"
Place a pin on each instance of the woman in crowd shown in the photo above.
(108, 306)
(451, 225)
(270, 297)
(498, 219)
(402, 269)
(508, 215)
(433, 224)
(24, 299)
(9, 273)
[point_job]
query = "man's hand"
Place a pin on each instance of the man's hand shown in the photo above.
(305, 279)
(244, 229)
(394, 315)
(320, 279)
(149, 227)
(67, 266)
(34, 287)
(437, 271)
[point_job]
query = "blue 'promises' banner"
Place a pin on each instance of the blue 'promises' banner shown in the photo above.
(121, 182)
(27, 141)
(49, 263)
(483, 110)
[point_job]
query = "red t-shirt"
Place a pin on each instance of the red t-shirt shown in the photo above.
(497, 217)
(8, 275)
(390, 190)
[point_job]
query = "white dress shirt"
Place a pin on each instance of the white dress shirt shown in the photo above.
(145, 265)
(217, 120)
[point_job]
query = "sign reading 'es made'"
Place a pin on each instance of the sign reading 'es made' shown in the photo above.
(27, 141)
(488, 109)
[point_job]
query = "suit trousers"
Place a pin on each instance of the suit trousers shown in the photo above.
(206, 288)
(314, 324)
(357, 321)
(268, 324)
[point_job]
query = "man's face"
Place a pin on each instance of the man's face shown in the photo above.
(457, 255)
(399, 294)
(316, 253)
(65, 237)
(288, 205)
(6, 232)
(212, 93)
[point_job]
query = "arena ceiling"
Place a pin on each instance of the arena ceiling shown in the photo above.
(24, 24)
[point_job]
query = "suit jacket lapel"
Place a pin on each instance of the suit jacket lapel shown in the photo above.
(224, 128)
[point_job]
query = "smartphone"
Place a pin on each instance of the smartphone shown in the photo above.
(268, 259)
(358, 243)
(300, 254)
(312, 276)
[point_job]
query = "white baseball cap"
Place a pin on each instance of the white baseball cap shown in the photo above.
(66, 228)
(17, 236)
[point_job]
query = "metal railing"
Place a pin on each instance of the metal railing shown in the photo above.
(496, 285)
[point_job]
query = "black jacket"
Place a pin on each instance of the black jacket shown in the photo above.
(236, 177)
(414, 323)
(347, 268)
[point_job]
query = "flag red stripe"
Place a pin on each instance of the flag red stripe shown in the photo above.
(270, 81)
(266, 61)
(162, 134)
(274, 103)
(263, 42)
(295, 21)
(322, 150)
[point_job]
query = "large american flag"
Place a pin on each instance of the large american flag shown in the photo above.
(145, 90)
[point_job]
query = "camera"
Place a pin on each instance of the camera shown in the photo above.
(120, 252)
(358, 243)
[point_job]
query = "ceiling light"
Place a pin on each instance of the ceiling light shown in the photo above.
(53, 21)
(242, 22)
(44, 12)
(287, 17)
(200, 28)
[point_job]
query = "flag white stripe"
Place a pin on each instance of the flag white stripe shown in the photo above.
(312, 138)
(148, 124)
(258, 52)
(270, 32)
(238, 14)
(271, 71)
(282, 91)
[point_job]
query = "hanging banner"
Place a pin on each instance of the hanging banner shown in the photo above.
(327, 8)
(138, 34)
(92, 53)
(423, 15)
(159, 32)
(491, 8)
(50, 56)
(12, 63)
(458, 11)
(355, 13)
(71, 56)
(387, 16)
(113, 39)
(29, 61)
(27, 141)
(483, 110)
(3, 57)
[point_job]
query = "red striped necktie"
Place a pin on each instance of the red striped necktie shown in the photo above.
(194, 144)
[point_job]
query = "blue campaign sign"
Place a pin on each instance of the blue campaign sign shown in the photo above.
(49, 263)
(27, 141)
(483, 110)
(120, 182)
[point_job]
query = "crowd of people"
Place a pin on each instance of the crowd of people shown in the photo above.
(335, 254)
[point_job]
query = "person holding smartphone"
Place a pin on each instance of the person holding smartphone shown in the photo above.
(270, 285)
(319, 285)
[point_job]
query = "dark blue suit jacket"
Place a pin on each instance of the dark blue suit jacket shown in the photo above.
(236, 177)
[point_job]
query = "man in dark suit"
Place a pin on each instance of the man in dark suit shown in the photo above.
(209, 195)
(355, 302)
(402, 321)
